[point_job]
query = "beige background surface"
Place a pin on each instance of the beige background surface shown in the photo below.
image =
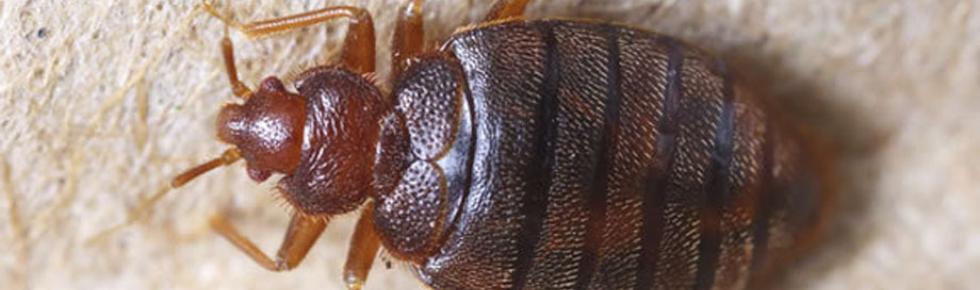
(103, 102)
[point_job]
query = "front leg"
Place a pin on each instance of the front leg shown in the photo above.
(358, 49)
(300, 236)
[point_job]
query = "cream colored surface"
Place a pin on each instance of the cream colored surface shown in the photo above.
(103, 102)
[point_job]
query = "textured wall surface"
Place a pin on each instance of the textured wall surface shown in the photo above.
(101, 103)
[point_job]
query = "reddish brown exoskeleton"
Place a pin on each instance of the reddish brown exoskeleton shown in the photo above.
(526, 154)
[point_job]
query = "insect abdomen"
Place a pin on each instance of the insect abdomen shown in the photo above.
(609, 158)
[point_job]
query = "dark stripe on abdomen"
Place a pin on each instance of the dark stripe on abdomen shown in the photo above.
(596, 199)
(717, 189)
(539, 175)
(654, 198)
(764, 203)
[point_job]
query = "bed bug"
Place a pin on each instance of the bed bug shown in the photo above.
(526, 154)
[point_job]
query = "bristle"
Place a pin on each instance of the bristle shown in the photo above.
(412, 61)
(278, 196)
(296, 71)
(375, 79)
(325, 219)
(330, 57)
(371, 77)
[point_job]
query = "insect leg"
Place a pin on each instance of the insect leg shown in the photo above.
(300, 237)
(358, 51)
(506, 9)
(363, 249)
(409, 37)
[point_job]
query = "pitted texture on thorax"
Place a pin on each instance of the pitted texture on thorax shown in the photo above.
(428, 95)
(423, 165)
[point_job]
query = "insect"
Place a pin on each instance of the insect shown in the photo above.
(526, 154)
